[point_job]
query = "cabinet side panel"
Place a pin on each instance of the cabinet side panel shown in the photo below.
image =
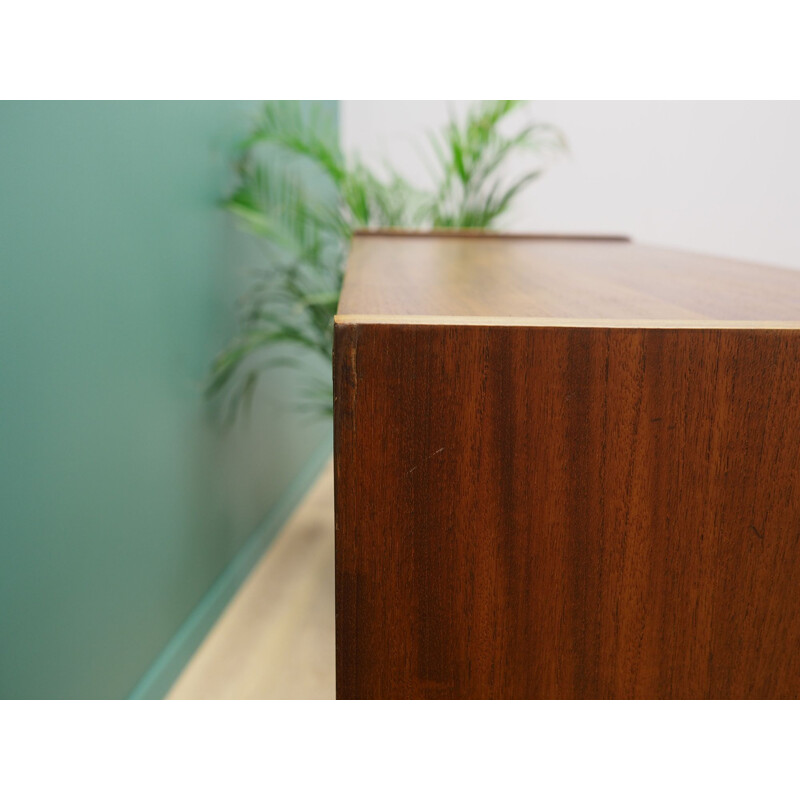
(567, 513)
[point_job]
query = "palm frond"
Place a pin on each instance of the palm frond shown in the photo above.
(311, 135)
(473, 154)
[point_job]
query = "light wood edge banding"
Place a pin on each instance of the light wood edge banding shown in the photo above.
(557, 322)
(472, 233)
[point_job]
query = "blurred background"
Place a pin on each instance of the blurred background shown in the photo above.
(715, 177)
(131, 513)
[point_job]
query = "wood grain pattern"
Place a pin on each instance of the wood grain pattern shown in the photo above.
(587, 512)
(569, 279)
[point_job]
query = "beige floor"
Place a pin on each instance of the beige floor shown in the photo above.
(276, 638)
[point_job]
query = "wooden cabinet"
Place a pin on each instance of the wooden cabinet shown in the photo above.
(565, 468)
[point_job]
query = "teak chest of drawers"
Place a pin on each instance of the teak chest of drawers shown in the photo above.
(565, 468)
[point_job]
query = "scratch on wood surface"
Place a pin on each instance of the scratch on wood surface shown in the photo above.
(435, 453)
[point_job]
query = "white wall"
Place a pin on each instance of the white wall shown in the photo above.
(716, 177)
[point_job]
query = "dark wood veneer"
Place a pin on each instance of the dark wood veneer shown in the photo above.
(534, 511)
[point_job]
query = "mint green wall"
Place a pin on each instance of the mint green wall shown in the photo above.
(121, 502)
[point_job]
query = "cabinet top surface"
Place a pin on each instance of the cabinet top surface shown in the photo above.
(557, 280)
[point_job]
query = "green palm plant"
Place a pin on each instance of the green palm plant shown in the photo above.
(298, 193)
(473, 190)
